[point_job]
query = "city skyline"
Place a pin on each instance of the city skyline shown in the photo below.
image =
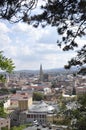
(29, 47)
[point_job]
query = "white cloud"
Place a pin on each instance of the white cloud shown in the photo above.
(38, 33)
(4, 37)
(25, 50)
(12, 51)
(80, 42)
(4, 40)
(20, 27)
(57, 60)
(30, 47)
(3, 28)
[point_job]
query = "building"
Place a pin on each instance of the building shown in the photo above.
(46, 77)
(41, 112)
(81, 90)
(21, 100)
(7, 104)
(4, 123)
(16, 103)
(41, 74)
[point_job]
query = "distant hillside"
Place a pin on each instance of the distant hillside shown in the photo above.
(49, 71)
(54, 70)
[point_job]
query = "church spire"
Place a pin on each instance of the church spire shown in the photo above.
(41, 73)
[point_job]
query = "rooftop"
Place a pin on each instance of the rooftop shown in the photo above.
(42, 107)
(20, 96)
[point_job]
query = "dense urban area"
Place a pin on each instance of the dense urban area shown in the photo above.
(43, 100)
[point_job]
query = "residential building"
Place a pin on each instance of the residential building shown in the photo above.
(4, 123)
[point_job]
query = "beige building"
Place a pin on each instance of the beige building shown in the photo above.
(21, 101)
(24, 103)
(17, 103)
(5, 123)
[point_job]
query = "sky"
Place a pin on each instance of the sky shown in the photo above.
(29, 47)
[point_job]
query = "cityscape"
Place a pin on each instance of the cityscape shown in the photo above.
(36, 99)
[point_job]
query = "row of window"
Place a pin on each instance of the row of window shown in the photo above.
(35, 116)
(6, 122)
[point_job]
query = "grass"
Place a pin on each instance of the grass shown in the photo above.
(21, 127)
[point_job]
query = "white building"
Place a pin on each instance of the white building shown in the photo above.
(39, 112)
(7, 104)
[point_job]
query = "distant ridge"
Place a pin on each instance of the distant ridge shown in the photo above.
(49, 71)
(54, 70)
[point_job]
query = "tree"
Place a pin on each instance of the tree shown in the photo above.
(2, 113)
(69, 16)
(54, 84)
(5, 65)
(4, 91)
(80, 113)
(38, 96)
(74, 91)
(16, 10)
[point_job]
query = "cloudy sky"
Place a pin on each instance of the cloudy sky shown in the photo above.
(29, 47)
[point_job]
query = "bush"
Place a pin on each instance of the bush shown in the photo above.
(38, 96)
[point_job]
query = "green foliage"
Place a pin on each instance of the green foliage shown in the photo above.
(62, 121)
(13, 90)
(5, 65)
(38, 96)
(54, 84)
(80, 113)
(62, 107)
(21, 127)
(74, 91)
(81, 123)
(4, 128)
(75, 113)
(4, 91)
(82, 100)
(2, 78)
(2, 113)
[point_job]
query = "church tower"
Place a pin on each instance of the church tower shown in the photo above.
(41, 73)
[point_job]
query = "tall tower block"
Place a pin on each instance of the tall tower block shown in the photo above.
(41, 73)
